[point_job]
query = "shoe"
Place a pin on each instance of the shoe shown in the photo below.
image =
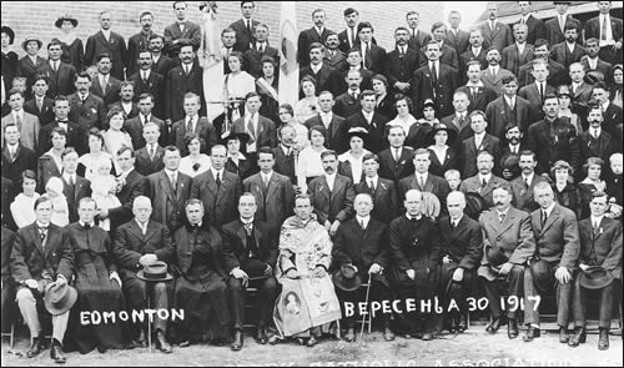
(162, 344)
(603, 339)
(512, 329)
(564, 337)
(237, 345)
(531, 334)
(579, 337)
(461, 325)
(350, 336)
(311, 341)
(140, 341)
(35, 348)
(427, 336)
(453, 325)
(388, 335)
(496, 324)
(261, 336)
(56, 352)
(408, 336)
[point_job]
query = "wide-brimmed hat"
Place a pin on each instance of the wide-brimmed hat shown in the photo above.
(156, 272)
(452, 134)
(254, 268)
(241, 136)
(28, 39)
(595, 277)
(61, 19)
(59, 298)
(347, 278)
(360, 132)
(9, 31)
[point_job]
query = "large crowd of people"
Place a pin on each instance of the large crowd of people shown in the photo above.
(461, 160)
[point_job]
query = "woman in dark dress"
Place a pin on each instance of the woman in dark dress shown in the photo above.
(385, 101)
(591, 184)
(237, 162)
(73, 50)
(267, 87)
(97, 282)
(10, 60)
(566, 195)
(443, 155)
(616, 91)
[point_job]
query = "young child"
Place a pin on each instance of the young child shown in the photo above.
(104, 188)
(60, 210)
(453, 178)
(614, 184)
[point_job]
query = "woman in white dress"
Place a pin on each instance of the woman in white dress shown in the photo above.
(196, 162)
(286, 116)
(89, 163)
(308, 106)
(351, 164)
(23, 206)
(115, 137)
(238, 83)
(310, 164)
(60, 210)
(404, 118)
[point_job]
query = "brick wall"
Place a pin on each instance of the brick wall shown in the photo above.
(37, 18)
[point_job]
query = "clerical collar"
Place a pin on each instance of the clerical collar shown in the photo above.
(410, 217)
(83, 224)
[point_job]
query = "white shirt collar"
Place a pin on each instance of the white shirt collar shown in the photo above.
(169, 173)
(529, 177)
(409, 217)
(267, 176)
(215, 172)
(597, 220)
(549, 209)
(364, 220)
(84, 223)
(456, 221)
(486, 177)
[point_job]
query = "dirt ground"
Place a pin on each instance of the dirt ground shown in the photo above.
(473, 348)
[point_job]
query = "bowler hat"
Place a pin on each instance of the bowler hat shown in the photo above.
(60, 20)
(347, 278)
(9, 32)
(28, 39)
(59, 298)
(595, 277)
(155, 272)
(254, 268)
(475, 204)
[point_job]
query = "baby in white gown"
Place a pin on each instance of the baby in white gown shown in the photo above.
(104, 188)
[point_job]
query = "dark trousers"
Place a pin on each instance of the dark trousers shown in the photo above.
(378, 292)
(159, 298)
(579, 303)
(513, 282)
(563, 293)
(457, 291)
(267, 293)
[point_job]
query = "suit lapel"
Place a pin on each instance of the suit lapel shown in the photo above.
(165, 185)
(136, 230)
(554, 215)
(242, 235)
(151, 231)
(35, 235)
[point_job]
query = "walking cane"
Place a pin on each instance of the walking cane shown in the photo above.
(366, 302)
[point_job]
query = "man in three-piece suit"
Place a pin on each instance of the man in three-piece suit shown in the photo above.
(458, 258)
(149, 159)
(108, 42)
(331, 123)
(556, 252)
(86, 109)
(140, 41)
(581, 90)
(360, 245)
(508, 242)
(536, 28)
(259, 49)
(192, 123)
(169, 190)
(135, 126)
(15, 157)
(333, 56)
(382, 191)
(369, 119)
(139, 243)
(522, 187)
(537, 91)
(418, 37)
(459, 121)
(555, 27)
(75, 135)
(478, 95)
(317, 34)
(568, 51)
(348, 38)
(518, 53)
(509, 109)
(495, 33)
(511, 145)
(557, 73)
(373, 56)
(595, 141)
(162, 63)
(184, 78)
(484, 182)
(286, 153)
(126, 104)
(245, 26)
(455, 37)
(274, 193)
(105, 86)
(435, 81)
(27, 124)
(395, 162)
(348, 103)
(592, 62)
(218, 189)
(401, 63)
(41, 105)
(612, 113)
(61, 75)
(492, 77)
(326, 77)
(182, 32)
(261, 129)
(147, 81)
(600, 246)
(42, 256)
(448, 54)
(609, 31)
(331, 194)
(252, 248)
(476, 51)
(75, 187)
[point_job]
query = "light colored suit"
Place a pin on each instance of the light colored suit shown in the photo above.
(495, 82)
(29, 130)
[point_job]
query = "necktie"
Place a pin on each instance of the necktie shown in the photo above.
(473, 92)
(354, 95)
(401, 52)
(187, 70)
(544, 218)
(362, 225)
(12, 154)
(43, 233)
(248, 26)
(595, 133)
(483, 183)
(18, 121)
(189, 125)
(151, 151)
(541, 91)
(71, 180)
(260, 49)
(562, 22)
(103, 84)
(492, 25)
(603, 32)
(352, 37)
(251, 129)
(421, 182)
(87, 226)
(434, 75)
(396, 155)
(39, 104)
(144, 76)
(265, 181)
(173, 183)
(364, 55)
(371, 186)
(218, 181)
(526, 182)
(248, 228)
(501, 217)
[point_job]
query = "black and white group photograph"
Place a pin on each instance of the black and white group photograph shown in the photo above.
(312, 183)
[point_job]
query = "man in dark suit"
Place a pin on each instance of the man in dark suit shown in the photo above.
(401, 63)
(126, 103)
(141, 242)
(140, 41)
(49, 163)
(494, 74)
(459, 121)
(476, 51)
(555, 27)
(326, 77)
(395, 162)
(274, 193)
(518, 53)
(317, 34)
(435, 80)
(478, 95)
(359, 244)
(182, 32)
(382, 191)
(60, 75)
(600, 246)
(333, 56)
(612, 113)
(581, 90)
(286, 153)
(455, 37)
(479, 142)
(507, 245)
(245, 26)
(522, 187)
(253, 249)
(192, 123)
(147, 81)
(511, 145)
(259, 49)
(448, 55)
(135, 126)
(169, 190)
(609, 31)
(423, 181)
(536, 28)
(592, 62)
(509, 109)
(40, 105)
(332, 123)
(348, 37)
(149, 159)
(218, 189)
(162, 64)
(595, 141)
(558, 74)
(537, 91)
(568, 51)
(15, 157)
(484, 182)
(134, 185)
(348, 103)
(75, 187)
(42, 255)
(373, 56)
(460, 253)
(418, 37)
(86, 109)
(108, 42)
(553, 138)
(261, 130)
(76, 135)
(331, 194)
(495, 33)
(370, 120)
(187, 77)
(556, 253)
